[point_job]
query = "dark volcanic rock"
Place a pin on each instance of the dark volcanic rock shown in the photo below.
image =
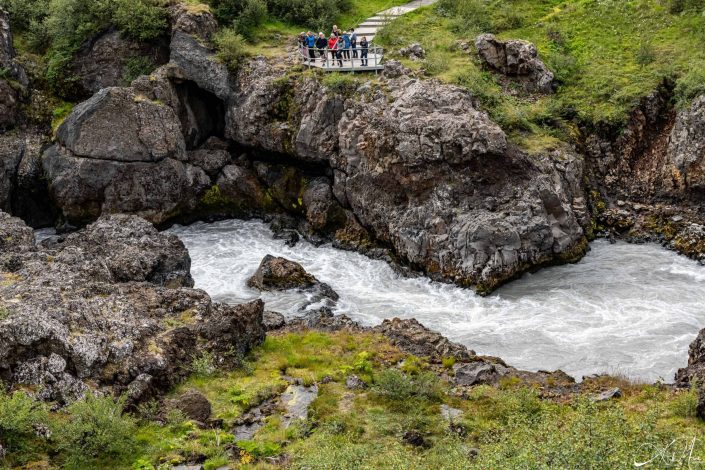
(413, 338)
(273, 320)
(516, 58)
(103, 61)
(117, 124)
(133, 250)
(93, 313)
(193, 404)
(277, 273)
(475, 373)
(120, 152)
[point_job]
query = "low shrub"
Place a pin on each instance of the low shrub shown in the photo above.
(230, 47)
(686, 404)
(203, 365)
(96, 430)
(340, 83)
(19, 415)
(396, 385)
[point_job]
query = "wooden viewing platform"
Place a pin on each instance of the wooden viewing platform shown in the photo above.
(369, 28)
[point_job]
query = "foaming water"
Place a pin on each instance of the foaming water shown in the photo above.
(628, 309)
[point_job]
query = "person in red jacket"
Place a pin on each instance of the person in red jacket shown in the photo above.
(333, 48)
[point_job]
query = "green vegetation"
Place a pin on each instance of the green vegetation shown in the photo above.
(510, 426)
(606, 54)
(231, 47)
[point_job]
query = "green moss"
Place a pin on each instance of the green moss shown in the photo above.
(59, 115)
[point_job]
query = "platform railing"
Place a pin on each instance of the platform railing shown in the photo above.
(324, 59)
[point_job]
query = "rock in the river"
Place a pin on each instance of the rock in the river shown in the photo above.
(516, 58)
(413, 338)
(93, 313)
(277, 273)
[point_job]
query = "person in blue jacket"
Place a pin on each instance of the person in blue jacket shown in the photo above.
(311, 46)
(346, 45)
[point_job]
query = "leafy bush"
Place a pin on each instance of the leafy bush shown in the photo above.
(19, 413)
(230, 47)
(679, 6)
(686, 404)
(315, 14)
(97, 430)
(340, 83)
(690, 85)
(142, 20)
(24, 12)
(253, 15)
(395, 385)
(203, 365)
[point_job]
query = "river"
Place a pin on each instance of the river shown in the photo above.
(624, 309)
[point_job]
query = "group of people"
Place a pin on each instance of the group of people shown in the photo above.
(341, 45)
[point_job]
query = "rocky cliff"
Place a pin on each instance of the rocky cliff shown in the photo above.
(408, 165)
(109, 307)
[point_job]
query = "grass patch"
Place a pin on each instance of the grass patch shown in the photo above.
(606, 54)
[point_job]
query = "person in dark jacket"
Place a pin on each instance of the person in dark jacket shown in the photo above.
(346, 46)
(321, 44)
(336, 31)
(353, 42)
(311, 46)
(364, 48)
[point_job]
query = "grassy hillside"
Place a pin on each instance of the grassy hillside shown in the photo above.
(395, 423)
(607, 54)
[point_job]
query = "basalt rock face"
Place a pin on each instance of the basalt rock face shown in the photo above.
(695, 371)
(423, 171)
(649, 178)
(95, 312)
(103, 61)
(407, 164)
(120, 152)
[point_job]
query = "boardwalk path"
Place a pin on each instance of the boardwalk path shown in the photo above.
(373, 24)
(369, 28)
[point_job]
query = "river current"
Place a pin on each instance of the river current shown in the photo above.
(624, 309)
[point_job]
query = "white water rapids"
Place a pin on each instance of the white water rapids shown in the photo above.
(627, 309)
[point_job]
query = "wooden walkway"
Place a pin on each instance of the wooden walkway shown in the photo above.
(368, 28)
(372, 25)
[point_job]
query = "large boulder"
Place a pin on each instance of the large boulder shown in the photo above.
(194, 19)
(516, 58)
(94, 315)
(695, 371)
(119, 125)
(121, 152)
(277, 273)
